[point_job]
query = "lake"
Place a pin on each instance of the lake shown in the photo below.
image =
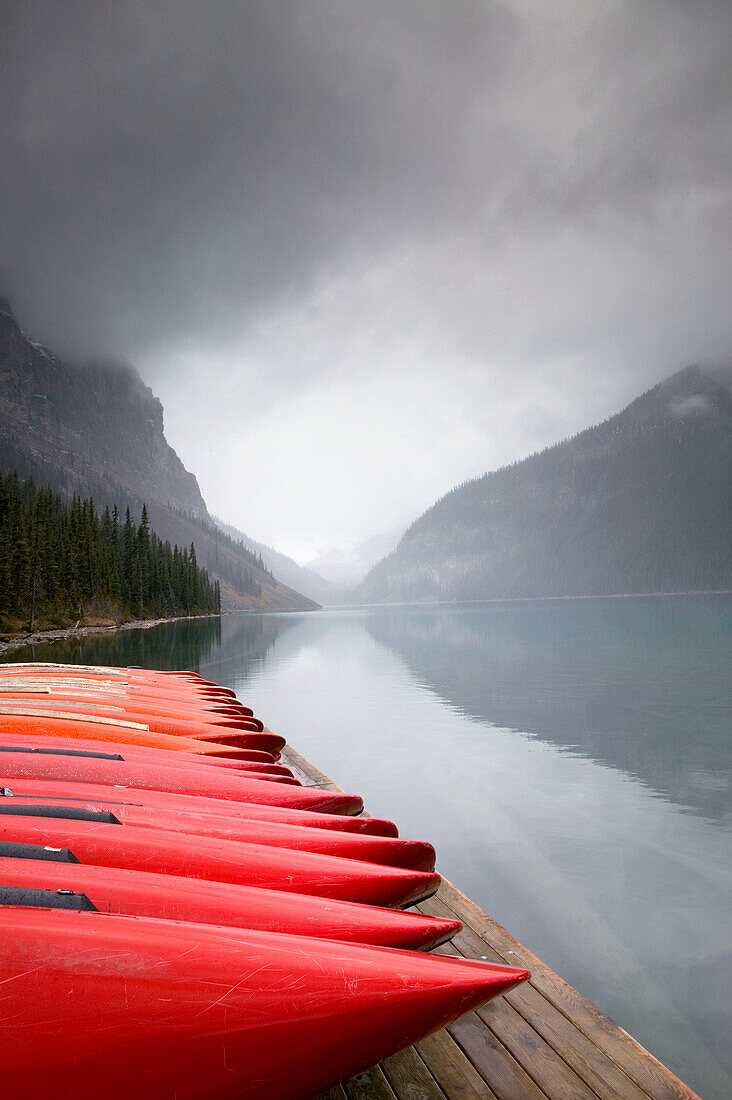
(570, 761)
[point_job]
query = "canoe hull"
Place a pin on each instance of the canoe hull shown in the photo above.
(200, 857)
(170, 897)
(157, 1010)
(175, 779)
(55, 790)
(414, 854)
(136, 733)
(235, 758)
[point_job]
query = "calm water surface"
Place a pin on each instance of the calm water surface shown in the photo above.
(570, 762)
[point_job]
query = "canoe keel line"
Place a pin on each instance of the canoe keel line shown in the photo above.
(181, 919)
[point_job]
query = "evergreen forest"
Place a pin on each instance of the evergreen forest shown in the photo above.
(62, 563)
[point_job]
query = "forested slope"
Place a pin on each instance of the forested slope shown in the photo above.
(639, 503)
(62, 562)
(300, 578)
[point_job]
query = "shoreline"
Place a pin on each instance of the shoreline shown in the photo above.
(529, 599)
(59, 634)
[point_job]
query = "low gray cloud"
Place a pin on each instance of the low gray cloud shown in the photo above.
(449, 232)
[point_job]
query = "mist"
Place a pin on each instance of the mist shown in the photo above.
(364, 251)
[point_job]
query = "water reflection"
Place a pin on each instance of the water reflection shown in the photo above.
(643, 686)
(539, 782)
(182, 644)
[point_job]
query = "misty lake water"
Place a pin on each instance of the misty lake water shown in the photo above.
(570, 761)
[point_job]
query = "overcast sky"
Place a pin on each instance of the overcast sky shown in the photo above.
(366, 249)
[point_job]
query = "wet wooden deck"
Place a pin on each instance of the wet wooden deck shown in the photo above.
(542, 1041)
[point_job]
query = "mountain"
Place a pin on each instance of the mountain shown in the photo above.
(331, 576)
(347, 563)
(639, 503)
(81, 424)
(97, 430)
(303, 579)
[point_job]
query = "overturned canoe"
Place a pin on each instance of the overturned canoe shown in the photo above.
(48, 884)
(124, 680)
(177, 779)
(414, 854)
(118, 730)
(183, 722)
(162, 851)
(237, 759)
(46, 747)
(176, 1012)
(107, 796)
(120, 695)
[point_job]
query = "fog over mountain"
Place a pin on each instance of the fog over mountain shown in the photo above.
(639, 503)
(347, 563)
(375, 248)
(94, 429)
(306, 581)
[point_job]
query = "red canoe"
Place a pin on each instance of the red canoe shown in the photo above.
(141, 894)
(414, 854)
(207, 782)
(172, 762)
(202, 857)
(44, 790)
(236, 759)
(118, 730)
(124, 687)
(162, 1011)
(123, 680)
(59, 746)
(186, 723)
(38, 689)
(171, 678)
(173, 704)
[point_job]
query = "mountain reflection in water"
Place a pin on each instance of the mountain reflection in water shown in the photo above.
(640, 685)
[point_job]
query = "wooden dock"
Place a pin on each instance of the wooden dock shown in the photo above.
(542, 1041)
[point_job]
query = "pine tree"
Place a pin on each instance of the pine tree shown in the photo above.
(56, 558)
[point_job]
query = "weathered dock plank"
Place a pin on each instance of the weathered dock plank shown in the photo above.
(409, 1076)
(542, 1041)
(496, 1065)
(454, 1072)
(369, 1085)
(604, 1078)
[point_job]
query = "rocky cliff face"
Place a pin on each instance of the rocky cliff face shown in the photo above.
(86, 428)
(97, 430)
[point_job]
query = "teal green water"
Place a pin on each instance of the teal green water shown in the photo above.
(570, 761)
